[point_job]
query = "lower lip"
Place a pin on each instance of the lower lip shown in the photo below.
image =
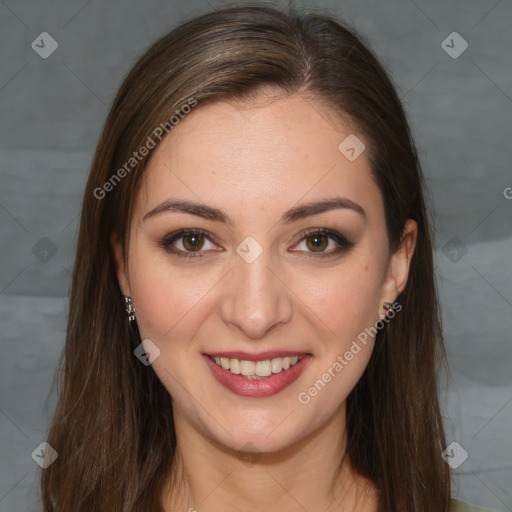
(258, 388)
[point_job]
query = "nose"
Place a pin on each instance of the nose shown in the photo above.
(255, 298)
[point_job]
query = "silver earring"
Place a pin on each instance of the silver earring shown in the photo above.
(130, 308)
(387, 305)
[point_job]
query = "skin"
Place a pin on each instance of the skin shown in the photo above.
(255, 161)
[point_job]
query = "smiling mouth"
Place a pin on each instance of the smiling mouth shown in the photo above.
(257, 369)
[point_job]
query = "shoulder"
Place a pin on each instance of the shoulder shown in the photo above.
(461, 506)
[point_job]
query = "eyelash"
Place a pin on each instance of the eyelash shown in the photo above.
(343, 243)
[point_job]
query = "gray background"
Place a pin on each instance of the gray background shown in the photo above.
(51, 114)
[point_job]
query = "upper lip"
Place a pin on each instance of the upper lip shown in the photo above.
(260, 356)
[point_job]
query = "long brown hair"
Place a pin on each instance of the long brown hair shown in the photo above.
(113, 427)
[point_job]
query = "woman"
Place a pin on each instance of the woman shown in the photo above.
(253, 318)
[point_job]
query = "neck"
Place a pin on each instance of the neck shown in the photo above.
(309, 475)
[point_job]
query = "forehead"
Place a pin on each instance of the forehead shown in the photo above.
(272, 152)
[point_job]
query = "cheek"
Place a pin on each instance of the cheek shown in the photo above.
(345, 299)
(163, 293)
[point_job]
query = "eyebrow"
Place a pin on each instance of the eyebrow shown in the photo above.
(294, 214)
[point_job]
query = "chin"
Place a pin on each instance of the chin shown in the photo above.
(270, 431)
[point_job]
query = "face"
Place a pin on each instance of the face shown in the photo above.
(229, 258)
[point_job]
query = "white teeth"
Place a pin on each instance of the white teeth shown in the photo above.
(263, 368)
(256, 369)
(234, 366)
(247, 367)
(277, 364)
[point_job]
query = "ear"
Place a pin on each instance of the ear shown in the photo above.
(122, 276)
(399, 264)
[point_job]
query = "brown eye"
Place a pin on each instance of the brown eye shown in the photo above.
(317, 242)
(193, 242)
(188, 243)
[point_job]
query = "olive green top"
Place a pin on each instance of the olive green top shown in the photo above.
(461, 506)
